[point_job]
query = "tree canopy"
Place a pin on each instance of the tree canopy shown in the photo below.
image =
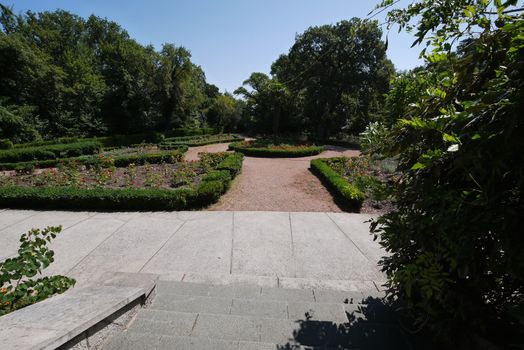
(333, 78)
(65, 75)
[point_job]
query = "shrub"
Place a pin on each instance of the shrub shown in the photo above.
(455, 237)
(209, 190)
(49, 152)
(172, 156)
(261, 150)
(197, 140)
(19, 289)
(6, 144)
(337, 183)
(190, 132)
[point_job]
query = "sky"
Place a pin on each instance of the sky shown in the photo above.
(229, 39)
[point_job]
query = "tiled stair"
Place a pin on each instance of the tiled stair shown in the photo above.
(203, 316)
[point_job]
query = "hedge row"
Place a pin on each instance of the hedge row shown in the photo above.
(115, 140)
(200, 141)
(342, 143)
(212, 186)
(276, 153)
(191, 132)
(49, 152)
(337, 183)
(171, 156)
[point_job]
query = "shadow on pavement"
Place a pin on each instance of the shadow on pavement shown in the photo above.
(374, 326)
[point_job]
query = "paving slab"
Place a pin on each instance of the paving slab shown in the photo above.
(202, 245)
(10, 236)
(356, 228)
(128, 249)
(263, 244)
(323, 251)
(188, 303)
(268, 309)
(11, 217)
(268, 249)
(74, 243)
(227, 327)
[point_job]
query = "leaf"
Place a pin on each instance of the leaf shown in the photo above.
(450, 138)
(417, 166)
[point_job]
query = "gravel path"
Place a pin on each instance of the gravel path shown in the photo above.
(276, 184)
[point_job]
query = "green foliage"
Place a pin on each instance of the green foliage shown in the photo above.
(50, 151)
(265, 148)
(63, 75)
(171, 156)
(455, 251)
(100, 198)
(336, 182)
(19, 288)
(6, 144)
(192, 141)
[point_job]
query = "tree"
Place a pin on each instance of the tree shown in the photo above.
(270, 104)
(224, 112)
(88, 77)
(339, 74)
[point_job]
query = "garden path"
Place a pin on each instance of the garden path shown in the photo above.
(276, 184)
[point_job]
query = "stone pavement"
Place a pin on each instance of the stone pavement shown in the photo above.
(280, 249)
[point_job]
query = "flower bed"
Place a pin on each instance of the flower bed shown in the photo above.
(135, 187)
(356, 179)
(263, 148)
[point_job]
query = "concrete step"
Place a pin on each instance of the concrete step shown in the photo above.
(244, 291)
(140, 341)
(266, 330)
(333, 312)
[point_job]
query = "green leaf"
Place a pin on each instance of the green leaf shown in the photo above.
(450, 138)
(417, 166)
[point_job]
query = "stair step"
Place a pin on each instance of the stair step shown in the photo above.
(263, 293)
(333, 312)
(227, 327)
(140, 341)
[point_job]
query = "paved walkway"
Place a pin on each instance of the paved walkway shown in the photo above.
(282, 248)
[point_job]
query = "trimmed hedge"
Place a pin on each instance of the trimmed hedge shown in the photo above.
(337, 183)
(172, 156)
(6, 144)
(348, 144)
(212, 186)
(276, 153)
(190, 132)
(49, 152)
(193, 141)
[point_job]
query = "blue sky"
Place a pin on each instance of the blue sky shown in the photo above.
(230, 39)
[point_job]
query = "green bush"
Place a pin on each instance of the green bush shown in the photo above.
(19, 289)
(337, 183)
(209, 190)
(303, 151)
(198, 140)
(6, 144)
(49, 152)
(190, 132)
(454, 239)
(171, 156)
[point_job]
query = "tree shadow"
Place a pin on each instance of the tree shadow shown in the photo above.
(374, 325)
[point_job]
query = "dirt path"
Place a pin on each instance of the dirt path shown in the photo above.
(279, 184)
